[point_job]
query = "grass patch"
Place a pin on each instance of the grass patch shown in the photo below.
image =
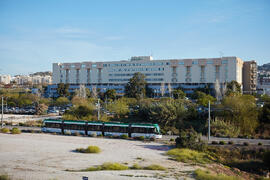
(15, 131)
(189, 156)
(89, 149)
(5, 130)
(108, 167)
(205, 175)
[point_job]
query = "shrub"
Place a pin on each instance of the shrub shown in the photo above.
(107, 166)
(99, 135)
(171, 139)
(155, 167)
(141, 138)
(67, 133)
(230, 142)
(4, 177)
(188, 155)
(221, 128)
(93, 135)
(89, 149)
(152, 138)
(5, 130)
(15, 131)
(222, 142)
(259, 144)
(136, 166)
(77, 134)
(214, 142)
(246, 144)
(124, 136)
(205, 175)
(190, 139)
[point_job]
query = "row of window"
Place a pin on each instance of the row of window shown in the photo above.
(136, 69)
(100, 128)
(146, 64)
(131, 74)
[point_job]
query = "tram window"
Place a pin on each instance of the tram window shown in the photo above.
(94, 127)
(139, 130)
(53, 125)
(119, 129)
(74, 126)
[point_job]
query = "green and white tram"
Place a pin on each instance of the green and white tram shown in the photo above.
(101, 128)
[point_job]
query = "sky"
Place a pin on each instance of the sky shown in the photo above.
(36, 33)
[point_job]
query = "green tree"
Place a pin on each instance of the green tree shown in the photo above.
(203, 99)
(119, 107)
(41, 109)
(110, 94)
(178, 94)
(62, 90)
(265, 115)
(135, 88)
(62, 101)
(233, 87)
(241, 110)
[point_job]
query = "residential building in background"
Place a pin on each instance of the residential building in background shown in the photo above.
(188, 74)
(249, 77)
(5, 79)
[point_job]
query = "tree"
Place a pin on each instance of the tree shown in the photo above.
(241, 110)
(178, 94)
(149, 91)
(62, 101)
(233, 87)
(202, 98)
(135, 88)
(41, 109)
(110, 94)
(62, 90)
(265, 115)
(119, 107)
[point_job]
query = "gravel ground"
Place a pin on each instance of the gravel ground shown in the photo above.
(44, 156)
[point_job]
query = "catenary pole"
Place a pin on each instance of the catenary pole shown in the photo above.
(209, 118)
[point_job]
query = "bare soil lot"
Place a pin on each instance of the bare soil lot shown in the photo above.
(46, 156)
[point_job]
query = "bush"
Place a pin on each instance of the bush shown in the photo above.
(4, 177)
(15, 131)
(259, 144)
(214, 142)
(124, 136)
(155, 167)
(136, 166)
(171, 139)
(152, 138)
(89, 149)
(222, 142)
(77, 134)
(188, 155)
(231, 142)
(205, 175)
(221, 128)
(93, 135)
(246, 144)
(5, 130)
(141, 138)
(67, 133)
(108, 167)
(190, 139)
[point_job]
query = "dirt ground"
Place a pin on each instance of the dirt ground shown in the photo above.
(45, 157)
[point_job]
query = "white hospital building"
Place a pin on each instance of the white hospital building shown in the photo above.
(188, 74)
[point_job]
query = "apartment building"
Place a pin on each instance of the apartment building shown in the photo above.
(189, 74)
(249, 76)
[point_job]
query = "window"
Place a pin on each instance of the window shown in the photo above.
(209, 62)
(94, 65)
(224, 61)
(181, 63)
(53, 125)
(194, 62)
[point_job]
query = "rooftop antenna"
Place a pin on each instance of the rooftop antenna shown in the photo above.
(221, 54)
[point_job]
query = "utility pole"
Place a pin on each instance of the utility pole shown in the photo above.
(98, 106)
(209, 118)
(2, 112)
